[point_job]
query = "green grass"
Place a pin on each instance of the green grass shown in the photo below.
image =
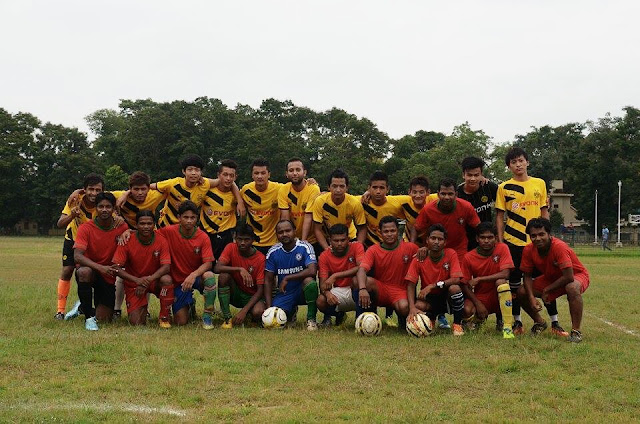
(57, 371)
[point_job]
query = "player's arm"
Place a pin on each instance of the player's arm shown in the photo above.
(309, 271)
(566, 278)
(361, 236)
(307, 225)
(65, 219)
(221, 266)
(187, 284)
(413, 234)
(317, 230)
(528, 288)
(285, 214)
(481, 310)
(363, 295)
(242, 313)
(411, 297)
(544, 212)
(80, 259)
(269, 283)
(500, 224)
(501, 275)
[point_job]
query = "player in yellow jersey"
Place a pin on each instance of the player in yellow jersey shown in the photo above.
(521, 199)
(77, 210)
(420, 196)
(338, 207)
(139, 196)
(261, 200)
(295, 200)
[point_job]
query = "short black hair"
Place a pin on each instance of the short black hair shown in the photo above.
(245, 230)
(420, 180)
(513, 153)
(296, 159)
(188, 205)
(447, 182)
(437, 227)
(338, 229)
(92, 179)
(539, 223)
(472, 162)
(387, 219)
(145, 212)
(228, 163)
(486, 226)
(105, 195)
(260, 162)
(379, 176)
(338, 173)
(192, 160)
(287, 220)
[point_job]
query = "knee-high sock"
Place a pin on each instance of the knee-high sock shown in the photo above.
(388, 312)
(224, 294)
(119, 294)
(85, 294)
(209, 295)
(310, 292)
(166, 300)
(457, 306)
(552, 309)
(330, 311)
(64, 286)
(504, 298)
(515, 304)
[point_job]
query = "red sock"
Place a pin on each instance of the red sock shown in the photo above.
(166, 300)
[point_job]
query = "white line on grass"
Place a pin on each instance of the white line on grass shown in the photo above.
(104, 407)
(613, 324)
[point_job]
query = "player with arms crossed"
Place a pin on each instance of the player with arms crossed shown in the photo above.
(561, 271)
(241, 279)
(294, 263)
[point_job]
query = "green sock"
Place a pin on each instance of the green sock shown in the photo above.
(310, 295)
(225, 298)
(209, 295)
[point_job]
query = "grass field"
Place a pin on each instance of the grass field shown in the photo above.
(57, 371)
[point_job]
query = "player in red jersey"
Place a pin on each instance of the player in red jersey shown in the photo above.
(337, 270)
(95, 245)
(241, 279)
(561, 273)
(439, 275)
(485, 272)
(144, 264)
(191, 263)
(390, 261)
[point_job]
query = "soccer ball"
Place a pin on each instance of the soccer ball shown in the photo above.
(274, 317)
(420, 326)
(368, 324)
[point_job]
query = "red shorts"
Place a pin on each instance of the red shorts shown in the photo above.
(490, 301)
(541, 282)
(134, 302)
(389, 294)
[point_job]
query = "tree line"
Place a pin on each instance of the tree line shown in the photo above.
(41, 163)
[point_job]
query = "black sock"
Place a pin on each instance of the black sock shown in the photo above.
(552, 308)
(457, 307)
(388, 312)
(85, 294)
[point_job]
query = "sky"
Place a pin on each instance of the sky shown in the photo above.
(503, 66)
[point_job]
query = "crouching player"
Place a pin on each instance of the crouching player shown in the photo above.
(485, 272)
(95, 245)
(191, 259)
(241, 279)
(337, 270)
(562, 273)
(294, 262)
(144, 264)
(390, 261)
(440, 276)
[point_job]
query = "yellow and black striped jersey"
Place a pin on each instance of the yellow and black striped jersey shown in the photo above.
(521, 201)
(262, 211)
(177, 192)
(130, 208)
(299, 203)
(374, 213)
(86, 214)
(349, 213)
(218, 212)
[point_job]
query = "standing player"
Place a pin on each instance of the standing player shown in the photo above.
(294, 263)
(439, 275)
(191, 263)
(338, 207)
(389, 261)
(76, 211)
(522, 198)
(95, 245)
(605, 238)
(486, 279)
(241, 280)
(561, 273)
(144, 264)
(420, 196)
(337, 270)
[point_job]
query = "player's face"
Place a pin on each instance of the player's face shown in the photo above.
(518, 166)
(338, 188)
(486, 240)
(472, 178)
(139, 192)
(446, 196)
(145, 226)
(227, 177)
(104, 209)
(192, 174)
(285, 232)
(540, 238)
(389, 232)
(260, 175)
(91, 191)
(378, 190)
(436, 241)
(188, 220)
(419, 194)
(244, 243)
(296, 172)
(339, 243)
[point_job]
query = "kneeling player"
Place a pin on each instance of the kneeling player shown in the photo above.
(562, 273)
(294, 262)
(390, 261)
(145, 263)
(439, 275)
(241, 279)
(337, 268)
(485, 272)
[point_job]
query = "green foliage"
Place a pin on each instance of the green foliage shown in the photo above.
(115, 178)
(556, 218)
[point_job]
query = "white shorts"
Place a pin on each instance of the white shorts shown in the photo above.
(345, 300)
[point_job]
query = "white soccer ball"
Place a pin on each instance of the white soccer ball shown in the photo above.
(420, 326)
(368, 324)
(274, 317)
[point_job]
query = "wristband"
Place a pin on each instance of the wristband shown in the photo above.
(364, 288)
(440, 284)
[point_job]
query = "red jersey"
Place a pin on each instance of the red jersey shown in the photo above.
(141, 259)
(187, 253)
(476, 265)
(254, 264)
(99, 244)
(455, 222)
(559, 257)
(431, 272)
(329, 263)
(389, 266)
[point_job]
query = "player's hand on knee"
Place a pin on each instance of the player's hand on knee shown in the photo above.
(481, 312)
(283, 285)
(239, 318)
(331, 298)
(364, 298)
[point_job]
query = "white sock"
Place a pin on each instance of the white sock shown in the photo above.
(554, 318)
(517, 318)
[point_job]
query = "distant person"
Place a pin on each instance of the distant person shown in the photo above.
(605, 238)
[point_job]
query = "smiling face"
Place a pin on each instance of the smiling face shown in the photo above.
(418, 194)
(91, 191)
(540, 238)
(145, 226)
(389, 233)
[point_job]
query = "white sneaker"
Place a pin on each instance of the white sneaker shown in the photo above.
(91, 324)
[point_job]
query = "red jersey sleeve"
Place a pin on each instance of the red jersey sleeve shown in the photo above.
(359, 251)
(323, 265)
(526, 263)
(467, 274)
(455, 271)
(82, 238)
(227, 253)
(506, 262)
(121, 255)
(413, 271)
(368, 260)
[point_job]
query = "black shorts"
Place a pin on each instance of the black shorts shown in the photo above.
(515, 277)
(67, 253)
(438, 304)
(219, 241)
(317, 247)
(103, 293)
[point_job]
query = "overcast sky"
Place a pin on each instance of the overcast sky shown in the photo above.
(504, 66)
